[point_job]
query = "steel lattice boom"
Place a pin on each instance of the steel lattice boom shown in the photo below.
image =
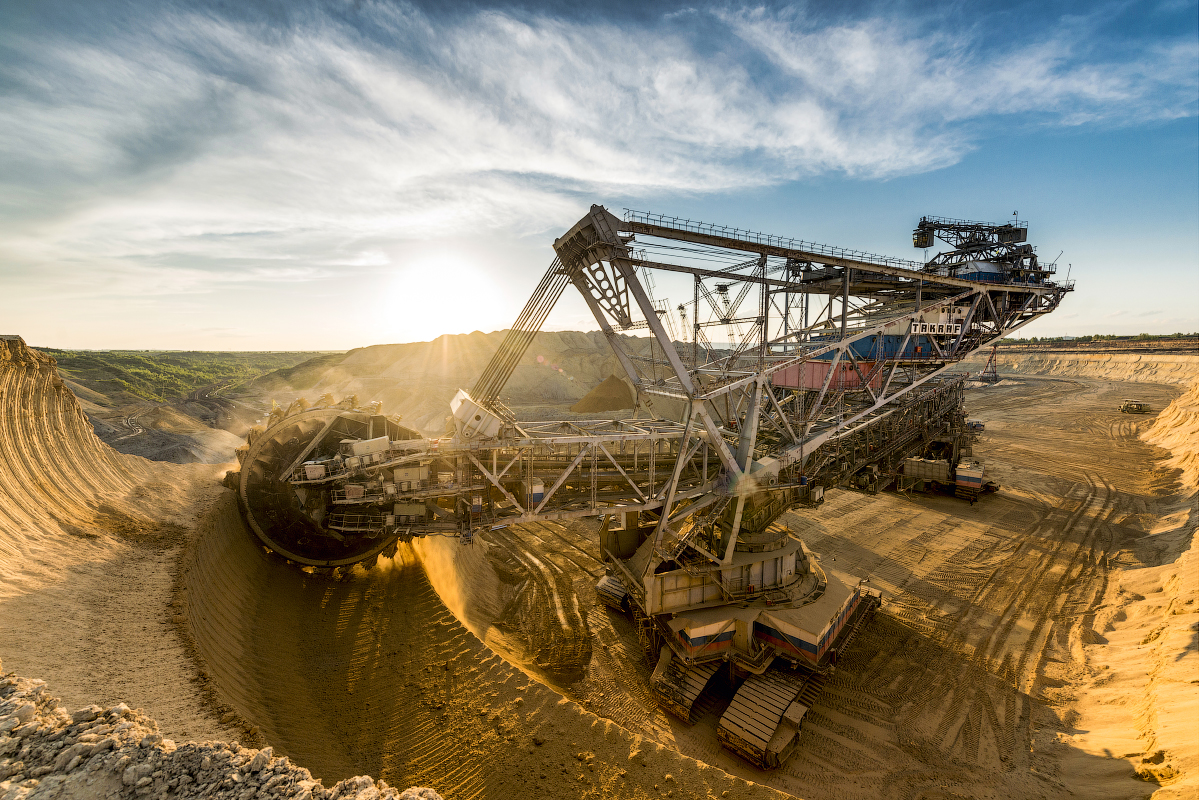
(796, 367)
(821, 346)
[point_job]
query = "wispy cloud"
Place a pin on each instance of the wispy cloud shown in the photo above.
(889, 77)
(189, 136)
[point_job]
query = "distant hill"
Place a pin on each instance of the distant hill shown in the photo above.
(168, 405)
(124, 376)
(417, 380)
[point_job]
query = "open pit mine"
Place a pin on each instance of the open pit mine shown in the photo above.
(835, 542)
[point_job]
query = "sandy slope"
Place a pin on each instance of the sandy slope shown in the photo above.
(89, 539)
(367, 674)
(1141, 689)
(1174, 429)
(612, 394)
(1041, 643)
(417, 380)
(373, 674)
(1131, 367)
(162, 433)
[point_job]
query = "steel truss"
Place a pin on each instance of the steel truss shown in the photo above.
(583, 468)
(833, 359)
(865, 327)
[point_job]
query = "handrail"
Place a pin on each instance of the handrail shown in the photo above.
(770, 240)
(1016, 223)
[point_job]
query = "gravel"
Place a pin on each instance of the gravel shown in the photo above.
(48, 752)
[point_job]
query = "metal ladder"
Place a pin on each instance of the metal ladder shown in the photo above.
(675, 550)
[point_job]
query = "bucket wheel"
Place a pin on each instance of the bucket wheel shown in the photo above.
(286, 518)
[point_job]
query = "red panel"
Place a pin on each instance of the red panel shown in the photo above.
(811, 375)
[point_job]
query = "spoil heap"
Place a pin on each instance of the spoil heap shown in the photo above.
(417, 380)
(46, 751)
(611, 395)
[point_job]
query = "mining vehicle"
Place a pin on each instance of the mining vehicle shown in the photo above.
(798, 367)
(1134, 407)
(989, 374)
(952, 469)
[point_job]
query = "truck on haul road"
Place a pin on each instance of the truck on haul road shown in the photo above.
(1134, 407)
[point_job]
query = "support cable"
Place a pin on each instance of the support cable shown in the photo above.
(520, 336)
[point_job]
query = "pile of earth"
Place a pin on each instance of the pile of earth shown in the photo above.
(47, 751)
(611, 395)
(417, 380)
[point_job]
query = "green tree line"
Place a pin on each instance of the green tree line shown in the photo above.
(163, 375)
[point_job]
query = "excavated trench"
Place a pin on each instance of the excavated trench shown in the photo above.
(121, 579)
(376, 672)
(366, 673)
(372, 673)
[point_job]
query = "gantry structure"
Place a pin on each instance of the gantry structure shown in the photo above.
(793, 367)
(820, 344)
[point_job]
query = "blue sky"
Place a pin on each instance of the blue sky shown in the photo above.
(331, 175)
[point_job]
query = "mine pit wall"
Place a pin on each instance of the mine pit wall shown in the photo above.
(56, 476)
(1140, 654)
(1177, 370)
(1174, 429)
(88, 539)
(373, 674)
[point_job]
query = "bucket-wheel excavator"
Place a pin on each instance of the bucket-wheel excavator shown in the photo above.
(800, 367)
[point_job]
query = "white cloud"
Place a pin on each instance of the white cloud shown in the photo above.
(193, 138)
(907, 78)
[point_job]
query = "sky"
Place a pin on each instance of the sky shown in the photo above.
(328, 175)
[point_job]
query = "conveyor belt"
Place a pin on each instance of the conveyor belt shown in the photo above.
(864, 613)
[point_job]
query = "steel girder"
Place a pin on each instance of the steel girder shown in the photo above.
(834, 356)
(734, 394)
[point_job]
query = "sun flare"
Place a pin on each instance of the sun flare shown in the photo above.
(430, 295)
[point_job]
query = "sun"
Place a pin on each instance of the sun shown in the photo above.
(434, 294)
